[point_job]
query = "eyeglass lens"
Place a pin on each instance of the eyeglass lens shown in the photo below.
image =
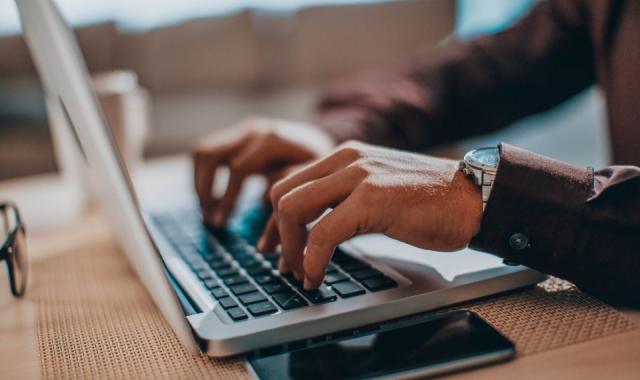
(17, 259)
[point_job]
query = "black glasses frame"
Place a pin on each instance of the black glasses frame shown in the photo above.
(10, 246)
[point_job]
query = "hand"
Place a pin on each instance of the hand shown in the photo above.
(421, 200)
(255, 146)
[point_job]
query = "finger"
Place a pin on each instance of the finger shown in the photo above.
(204, 172)
(324, 167)
(272, 177)
(241, 164)
(305, 204)
(225, 205)
(251, 159)
(337, 226)
(206, 161)
(270, 237)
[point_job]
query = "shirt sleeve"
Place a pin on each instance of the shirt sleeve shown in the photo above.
(462, 89)
(567, 221)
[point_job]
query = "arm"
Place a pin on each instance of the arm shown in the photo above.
(548, 215)
(578, 225)
(463, 89)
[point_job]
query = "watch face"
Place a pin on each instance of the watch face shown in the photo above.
(487, 157)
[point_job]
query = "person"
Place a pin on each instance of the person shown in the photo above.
(572, 222)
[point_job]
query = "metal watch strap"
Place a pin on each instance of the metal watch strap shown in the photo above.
(480, 177)
(486, 184)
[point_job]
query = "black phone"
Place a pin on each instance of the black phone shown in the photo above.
(447, 342)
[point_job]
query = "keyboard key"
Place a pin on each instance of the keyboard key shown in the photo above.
(235, 280)
(292, 279)
(237, 314)
(243, 288)
(222, 235)
(219, 293)
(376, 284)
(347, 289)
(275, 287)
(265, 279)
(249, 263)
(289, 300)
(227, 302)
(353, 265)
(209, 257)
(204, 274)
(212, 283)
(227, 272)
(320, 295)
(252, 297)
(340, 256)
(199, 265)
(220, 264)
(257, 271)
(262, 308)
(238, 250)
(272, 259)
(331, 268)
(363, 274)
(333, 277)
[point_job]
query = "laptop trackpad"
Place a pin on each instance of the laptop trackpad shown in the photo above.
(448, 265)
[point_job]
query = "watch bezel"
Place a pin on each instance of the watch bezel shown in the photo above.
(470, 160)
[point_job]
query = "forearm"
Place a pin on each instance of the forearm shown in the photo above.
(574, 225)
(463, 89)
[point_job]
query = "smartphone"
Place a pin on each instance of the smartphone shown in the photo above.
(444, 343)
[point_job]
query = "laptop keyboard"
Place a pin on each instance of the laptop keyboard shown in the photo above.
(247, 283)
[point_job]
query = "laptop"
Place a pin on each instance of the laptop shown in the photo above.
(220, 295)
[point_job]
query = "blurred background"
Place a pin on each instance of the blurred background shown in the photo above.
(206, 64)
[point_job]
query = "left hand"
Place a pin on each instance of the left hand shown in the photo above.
(423, 201)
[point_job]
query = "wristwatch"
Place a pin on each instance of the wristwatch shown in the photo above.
(481, 165)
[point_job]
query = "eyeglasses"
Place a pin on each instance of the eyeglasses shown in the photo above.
(14, 249)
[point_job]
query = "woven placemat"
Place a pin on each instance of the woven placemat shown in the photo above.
(95, 320)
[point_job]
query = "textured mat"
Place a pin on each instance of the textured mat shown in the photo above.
(95, 320)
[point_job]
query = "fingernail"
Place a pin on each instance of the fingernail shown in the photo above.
(261, 244)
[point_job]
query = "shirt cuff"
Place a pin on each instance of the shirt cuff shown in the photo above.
(534, 212)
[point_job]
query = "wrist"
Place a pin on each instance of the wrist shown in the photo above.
(471, 202)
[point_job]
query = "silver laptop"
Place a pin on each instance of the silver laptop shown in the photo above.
(216, 291)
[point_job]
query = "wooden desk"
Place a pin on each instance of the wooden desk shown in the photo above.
(615, 357)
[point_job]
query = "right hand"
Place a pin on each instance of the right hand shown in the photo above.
(255, 146)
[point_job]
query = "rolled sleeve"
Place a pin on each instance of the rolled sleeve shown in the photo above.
(567, 221)
(535, 211)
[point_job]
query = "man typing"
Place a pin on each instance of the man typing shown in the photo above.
(577, 223)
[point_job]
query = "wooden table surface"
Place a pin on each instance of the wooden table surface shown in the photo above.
(614, 357)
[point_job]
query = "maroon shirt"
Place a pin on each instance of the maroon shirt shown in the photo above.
(576, 224)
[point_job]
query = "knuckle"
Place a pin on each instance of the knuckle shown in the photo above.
(275, 194)
(256, 125)
(236, 167)
(350, 150)
(198, 153)
(287, 206)
(361, 167)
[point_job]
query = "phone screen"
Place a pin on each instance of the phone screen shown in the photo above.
(454, 340)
